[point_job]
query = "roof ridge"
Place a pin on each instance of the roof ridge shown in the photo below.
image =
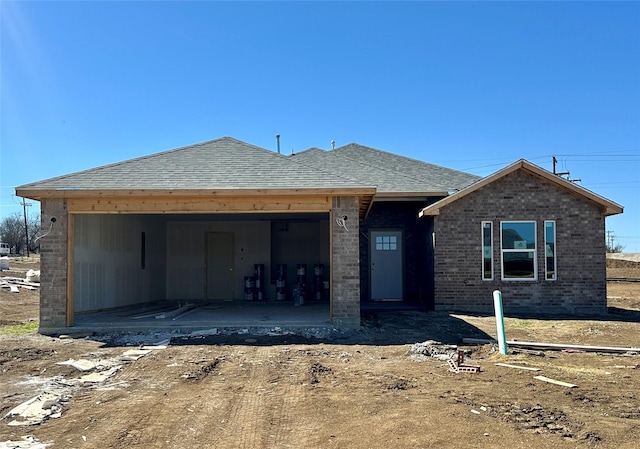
(315, 167)
(150, 156)
(125, 161)
(610, 207)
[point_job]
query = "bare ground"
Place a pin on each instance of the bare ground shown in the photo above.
(360, 390)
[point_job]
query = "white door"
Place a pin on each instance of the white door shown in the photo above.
(387, 272)
(220, 256)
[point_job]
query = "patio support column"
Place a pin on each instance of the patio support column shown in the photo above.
(53, 265)
(345, 262)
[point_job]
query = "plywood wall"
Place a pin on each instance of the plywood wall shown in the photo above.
(108, 269)
(186, 258)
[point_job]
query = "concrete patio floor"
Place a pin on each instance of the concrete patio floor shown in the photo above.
(189, 316)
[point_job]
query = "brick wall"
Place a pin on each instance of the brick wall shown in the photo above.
(345, 264)
(53, 265)
(580, 287)
(418, 274)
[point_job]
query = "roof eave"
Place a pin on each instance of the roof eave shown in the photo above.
(38, 194)
(406, 196)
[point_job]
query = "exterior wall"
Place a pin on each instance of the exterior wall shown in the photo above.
(345, 264)
(580, 287)
(418, 275)
(53, 265)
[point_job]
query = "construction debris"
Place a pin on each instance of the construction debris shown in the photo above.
(459, 366)
(75, 335)
(33, 276)
(100, 376)
(555, 382)
(80, 365)
(562, 347)
(12, 283)
(36, 410)
(176, 313)
(156, 347)
(434, 349)
(527, 368)
(134, 354)
(49, 405)
(204, 333)
(554, 346)
(27, 442)
(527, 352)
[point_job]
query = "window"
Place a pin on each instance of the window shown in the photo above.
(550, 250)
(386, 243)
(518, 250)
(487, 251)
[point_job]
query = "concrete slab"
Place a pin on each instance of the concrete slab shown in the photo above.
(207, 315)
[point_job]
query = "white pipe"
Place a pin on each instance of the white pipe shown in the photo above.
(502, 339)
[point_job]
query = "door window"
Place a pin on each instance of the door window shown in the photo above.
(386, 243)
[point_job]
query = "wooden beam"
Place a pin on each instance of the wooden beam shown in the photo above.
(70, 192)
(552, 346)
(527, 368)
(191, 205)
(331, 265)
(70, 270)
(555, 382)
(561, 346)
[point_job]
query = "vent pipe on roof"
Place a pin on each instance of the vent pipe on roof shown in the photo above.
(278, 142)
(333, 144)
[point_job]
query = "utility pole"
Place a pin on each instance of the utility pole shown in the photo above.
(564, 173)
(609, 239)
(26, 229)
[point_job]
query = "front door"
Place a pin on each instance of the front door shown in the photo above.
(387, 266)
(219, 263)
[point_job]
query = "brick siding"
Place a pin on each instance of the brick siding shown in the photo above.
(580, 287)
(53, 265)
(345, 272)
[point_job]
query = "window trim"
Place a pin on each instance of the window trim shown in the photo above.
(555, 252)
(482, 254)
(533, 250)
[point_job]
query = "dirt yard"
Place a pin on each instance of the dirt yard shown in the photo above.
(364, 389)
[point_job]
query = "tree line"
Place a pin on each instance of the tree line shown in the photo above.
(12, 231)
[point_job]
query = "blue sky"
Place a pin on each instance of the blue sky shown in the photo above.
(469, 85)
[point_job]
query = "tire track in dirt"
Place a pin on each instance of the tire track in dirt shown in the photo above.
(262, 413)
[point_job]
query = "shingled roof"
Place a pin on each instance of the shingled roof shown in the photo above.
(227, 164)
(393, 175)
(224, 163)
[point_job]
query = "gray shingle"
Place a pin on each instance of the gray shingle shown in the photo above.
(390, 172)
(224, 163)
(227, 163)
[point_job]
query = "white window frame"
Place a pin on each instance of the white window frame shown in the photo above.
(533, 251)
(483, 256)
(555, 251)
